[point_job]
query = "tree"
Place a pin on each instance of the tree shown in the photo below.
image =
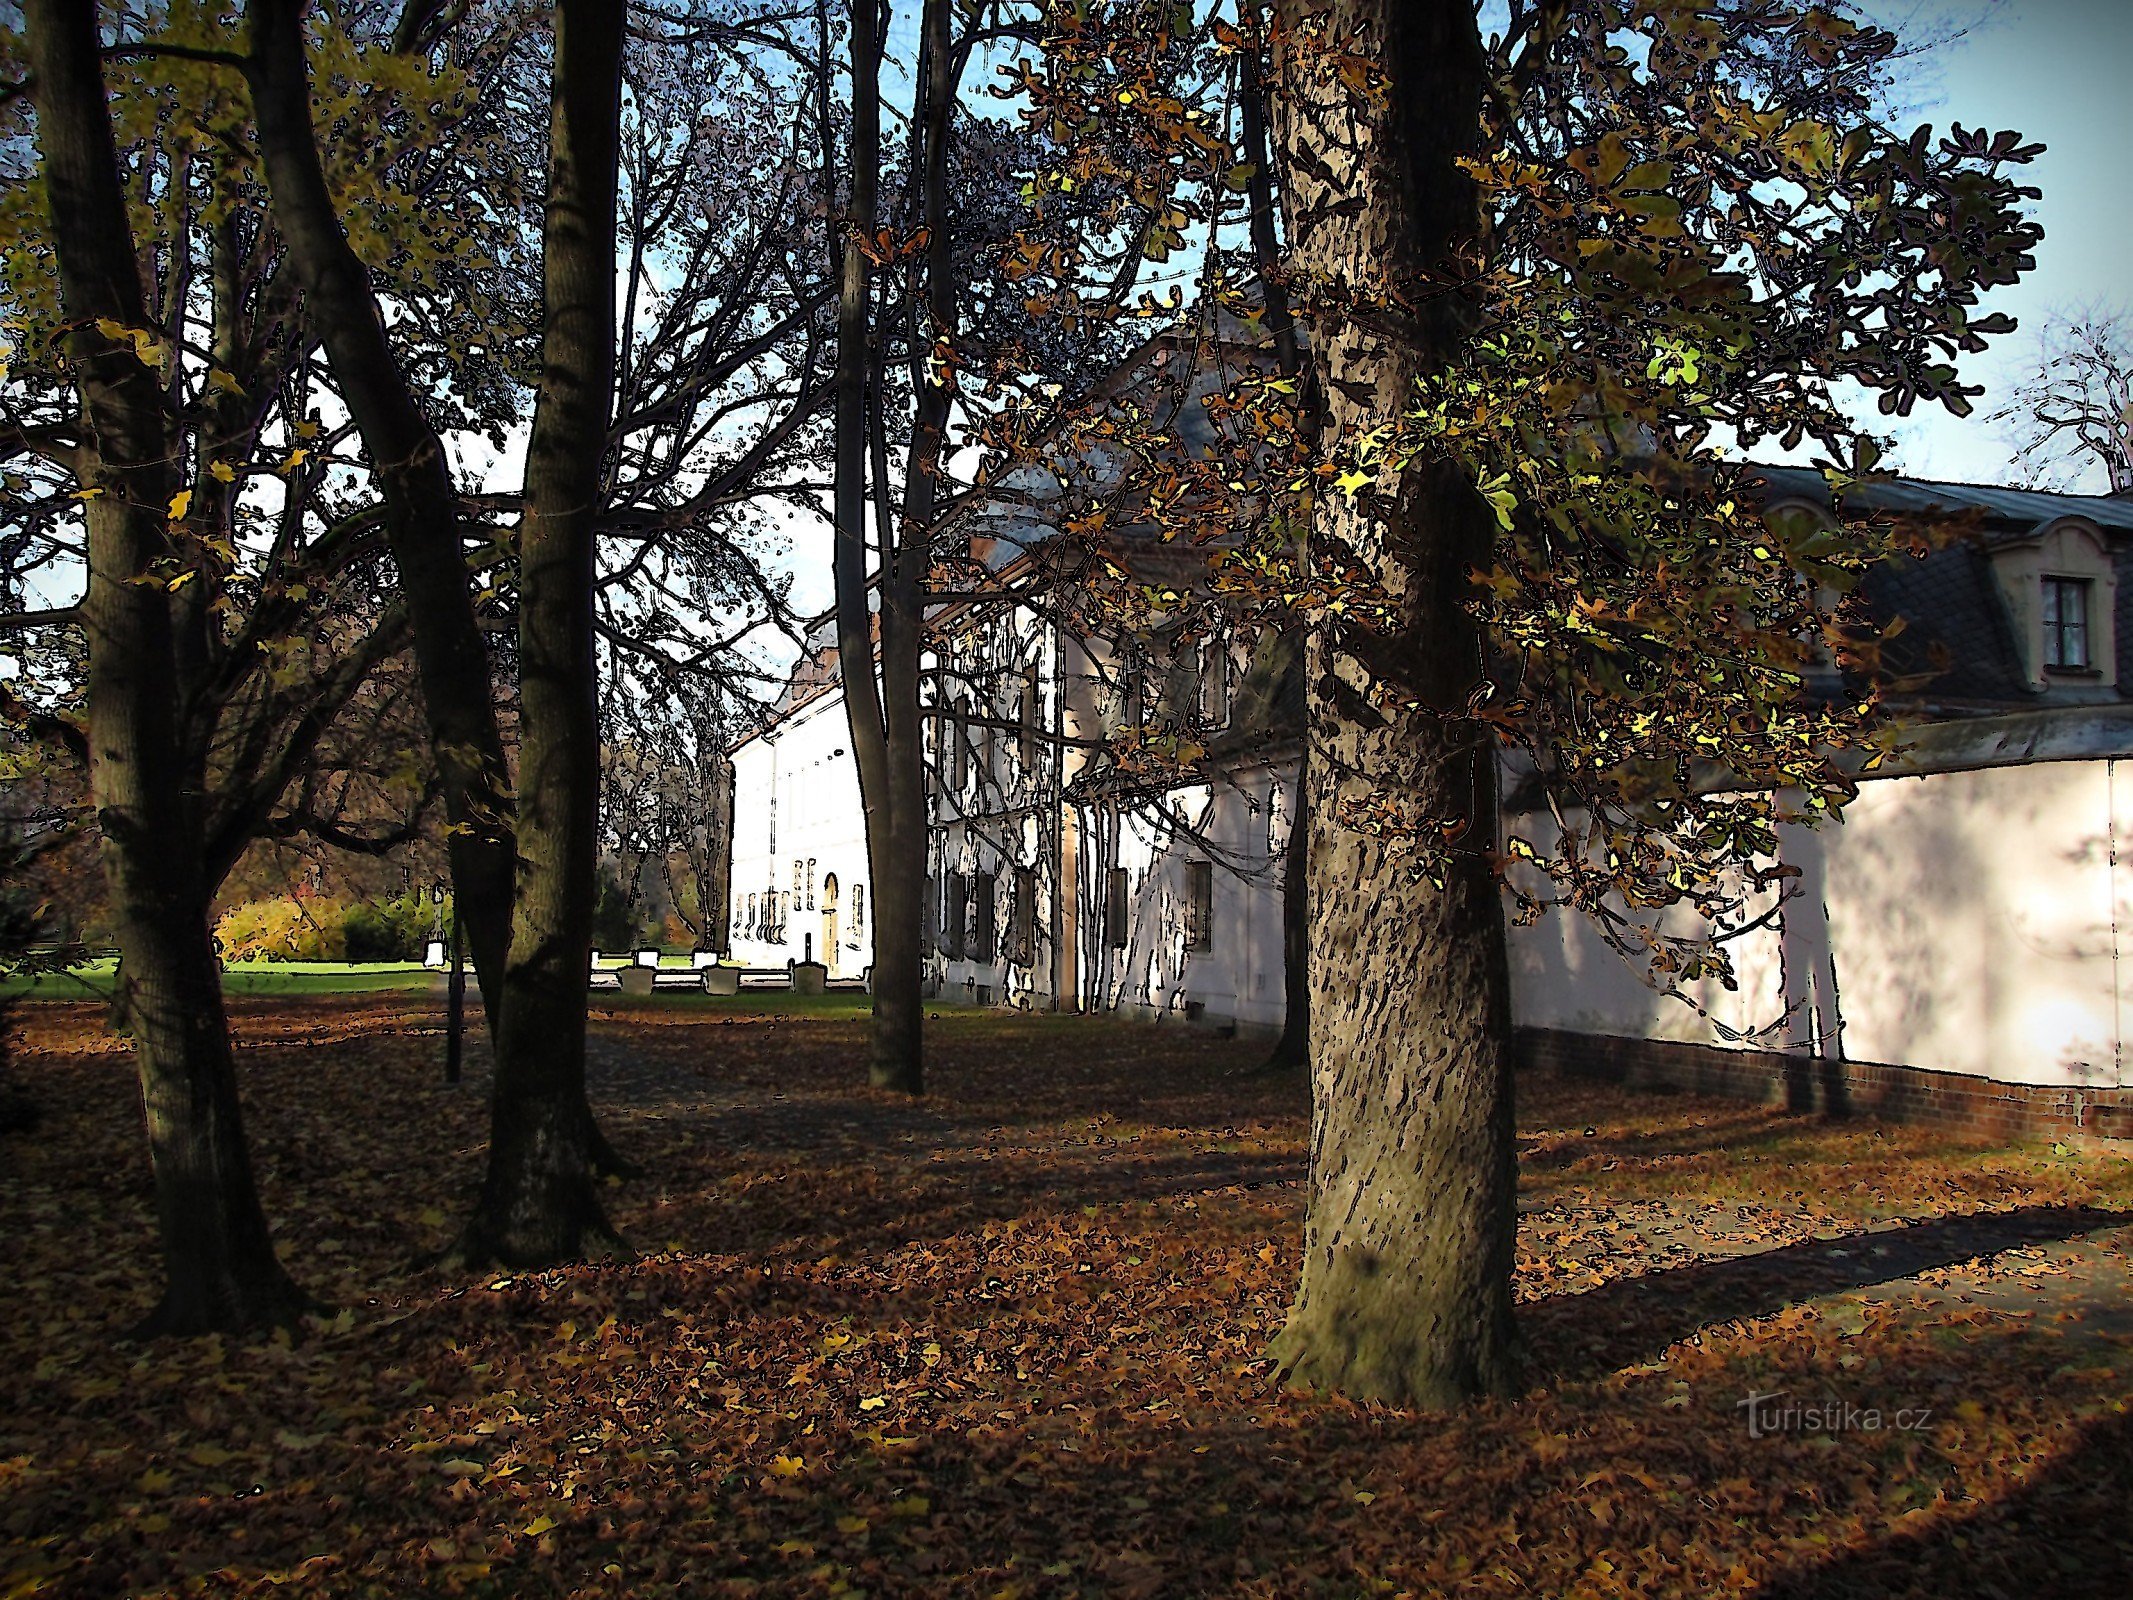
(1540, 284)
(873, 628)
(221, 1271)
(2073, 409)
(537, 1203)
(423, 522)
(1553, 285)
(1406, 1290)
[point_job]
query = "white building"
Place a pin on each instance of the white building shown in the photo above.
(1953, 953)
(799, 872)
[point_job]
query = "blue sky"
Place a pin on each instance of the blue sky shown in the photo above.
(2058, 70)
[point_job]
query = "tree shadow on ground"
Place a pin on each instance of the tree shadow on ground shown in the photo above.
(1636, 1319)
(2059, 1532)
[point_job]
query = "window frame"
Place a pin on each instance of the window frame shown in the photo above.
(1199, 906)
(2054, 589)
(955, 916)
(984, 916)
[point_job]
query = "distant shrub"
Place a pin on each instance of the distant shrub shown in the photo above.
(325, 929)
(284, 929)
(391, 930)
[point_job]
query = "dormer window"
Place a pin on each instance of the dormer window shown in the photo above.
(2066, 624)
(2061, 590)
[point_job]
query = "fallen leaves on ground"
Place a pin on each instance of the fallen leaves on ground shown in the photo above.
(1008, 1341)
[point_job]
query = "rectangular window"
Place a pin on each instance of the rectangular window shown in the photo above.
(1115, 905)
(1199, 905)
(957, 920)
(859, 911)
(983, 929)
(1022, 928)
(2066, 622)
(1028, 749)
(1214, 685)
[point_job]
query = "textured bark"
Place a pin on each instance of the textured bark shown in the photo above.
(221, 1272)
(537, 1202)
(1406, 1288)
(422, 519)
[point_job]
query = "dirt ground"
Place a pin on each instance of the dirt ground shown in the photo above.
(1008, 1341)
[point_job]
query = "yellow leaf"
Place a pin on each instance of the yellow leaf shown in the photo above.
(222, 472)
(852, 1524)
(788, 1466)
(155, 1480)
(180, 503)
(915, 1505)
(539, 1525)
(873, 1402)
(224, 381)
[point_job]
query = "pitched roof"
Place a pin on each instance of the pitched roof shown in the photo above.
(2008, 510)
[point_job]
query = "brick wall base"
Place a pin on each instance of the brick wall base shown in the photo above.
(1950, 1100)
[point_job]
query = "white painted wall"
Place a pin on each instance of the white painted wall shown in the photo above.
(1963, 921)
(807, 768)
(1959, 921)
(1245, 819)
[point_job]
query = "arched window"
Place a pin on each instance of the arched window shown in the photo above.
(859, 909)
(755, 930)
(829, 891)
(810, 883)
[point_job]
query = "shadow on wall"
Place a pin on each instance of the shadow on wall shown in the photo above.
(1807, 967)
(1971, 917)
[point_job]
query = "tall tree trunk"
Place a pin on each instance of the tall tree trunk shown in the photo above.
(883, 715)
(537, 1201)
(220, 1268)
(422, 519)
(1292, 1051)
(1406, 1288)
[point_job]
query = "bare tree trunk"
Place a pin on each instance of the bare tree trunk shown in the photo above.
(1406, 1288)
(1292, 1050)
(884, 717)
(537, 1201)
(221, 1272)
(422, 521)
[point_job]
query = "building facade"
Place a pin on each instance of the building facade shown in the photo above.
(1955, 949)
(798, 877)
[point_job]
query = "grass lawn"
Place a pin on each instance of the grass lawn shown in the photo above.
(92, 979)
(1010, 1340)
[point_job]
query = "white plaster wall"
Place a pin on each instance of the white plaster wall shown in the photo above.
(809, 768)
(1565, 975)
(1240, 977)
(1972, 917)
(1960, 922)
